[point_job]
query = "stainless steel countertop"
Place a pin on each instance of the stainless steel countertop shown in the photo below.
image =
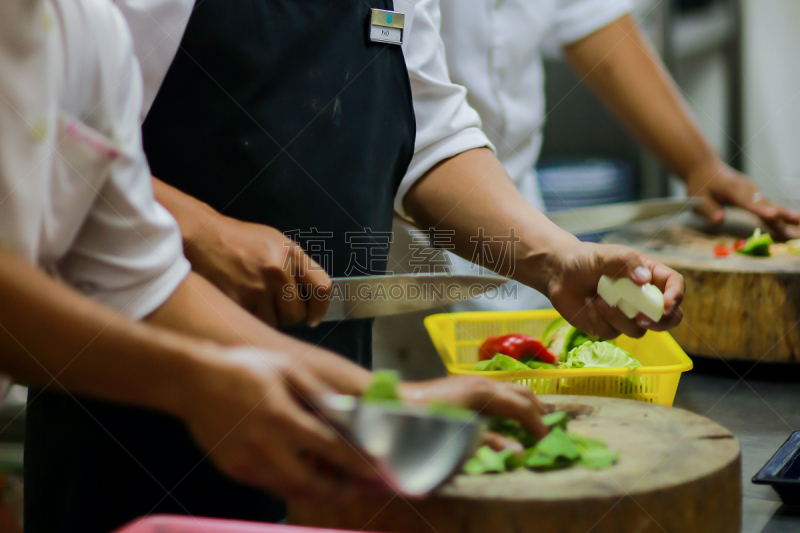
(762, 414)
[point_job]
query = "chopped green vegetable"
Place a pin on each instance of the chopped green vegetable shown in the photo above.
(504, 362)
(535, 363)
(559, 418)
(558, 444)
(598, 458)
(474, 467)
(538, 365)
(383, 387)
(757, 245)
(448, 411)
(587, 443)
(483, 366)
(513, 430)
(487, 460)
(559, 449)
(600, 355)
(501, 362)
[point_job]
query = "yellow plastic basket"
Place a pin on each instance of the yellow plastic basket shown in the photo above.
(457, 337)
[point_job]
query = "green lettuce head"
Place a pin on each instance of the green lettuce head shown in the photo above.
(600, 355)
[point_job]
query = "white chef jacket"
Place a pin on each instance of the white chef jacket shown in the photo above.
(446, 124)
(75, 188)
(494, 50)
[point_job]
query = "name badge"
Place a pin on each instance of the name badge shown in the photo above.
(386, 26)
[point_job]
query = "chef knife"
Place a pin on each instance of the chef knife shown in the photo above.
(372, 296)
(606, 217)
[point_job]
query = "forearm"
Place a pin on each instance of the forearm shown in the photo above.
(199, 309)
(52, 336)
(473, 195)
(192, 214)
(627, 75)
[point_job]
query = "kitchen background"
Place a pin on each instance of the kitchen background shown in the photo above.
(736, 62)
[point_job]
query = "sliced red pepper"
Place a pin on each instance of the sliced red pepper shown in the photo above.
(738, 245)
(517, 346)
(721, 250)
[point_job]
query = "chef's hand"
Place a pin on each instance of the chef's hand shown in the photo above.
(262, 270)
(572, 289)
(247, 409)
(719, 185)
(483, 395)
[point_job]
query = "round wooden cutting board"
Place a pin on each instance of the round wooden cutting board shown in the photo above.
(677, 473)
(736, 307)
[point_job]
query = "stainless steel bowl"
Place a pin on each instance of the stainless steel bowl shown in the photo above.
(420, 449)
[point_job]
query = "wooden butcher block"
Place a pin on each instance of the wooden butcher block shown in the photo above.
(736, 307)
(677, 473)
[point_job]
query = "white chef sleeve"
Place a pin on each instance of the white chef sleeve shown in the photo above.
(576, 19)
(128, 253)
(157, 27)
(446, 124)
(27, 115)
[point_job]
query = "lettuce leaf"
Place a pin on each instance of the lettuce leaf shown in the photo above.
(500, 362)
(600, 355)
(561, 337)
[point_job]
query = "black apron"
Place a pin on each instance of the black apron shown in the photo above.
(275, 111)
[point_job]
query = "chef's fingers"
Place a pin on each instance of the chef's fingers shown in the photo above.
(528, 395)
(499, 442)
(501, 399)
(319, 436)
(290, 476)
(618, 320)
(315, 286)
(264, 309)
(281, 285)
(669, 282)
(711, 210)
(619, 261)
(777, 217)
(599, 325)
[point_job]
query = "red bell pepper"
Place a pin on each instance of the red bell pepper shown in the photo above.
(721, 250)
(739, 245)
(517, 346)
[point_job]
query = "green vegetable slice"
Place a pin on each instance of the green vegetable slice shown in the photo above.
(557, 450)
(598, 458)
(448, 411)
(538, 365)
(587, 443)
(558, 444)
(509, 364)
(383, 387)
(559, 418)
(513, 430)
(757, 245)
(489, 460)
(483, 366)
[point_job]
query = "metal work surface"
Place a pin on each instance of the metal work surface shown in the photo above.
(762, 414)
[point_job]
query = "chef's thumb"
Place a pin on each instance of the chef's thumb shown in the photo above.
(622, 262)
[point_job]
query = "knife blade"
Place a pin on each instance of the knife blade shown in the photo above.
(606, 217)
(372, 296)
